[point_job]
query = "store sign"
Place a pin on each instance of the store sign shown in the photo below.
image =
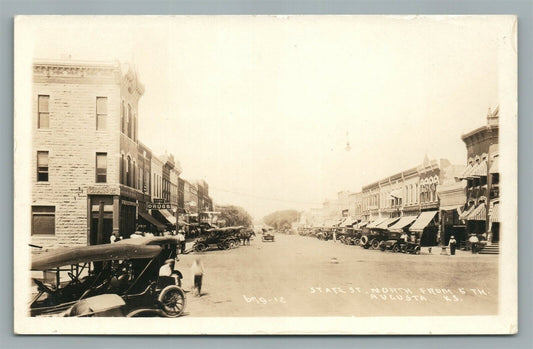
(158, 206)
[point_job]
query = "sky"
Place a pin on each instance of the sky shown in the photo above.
(262, 107)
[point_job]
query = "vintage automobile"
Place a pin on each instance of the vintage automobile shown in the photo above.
(223, 238)
(394, 243)
(325, 234)
(268, 235)
(372, 238)
(73, 276)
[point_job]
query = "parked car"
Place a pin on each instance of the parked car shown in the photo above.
(73, 277)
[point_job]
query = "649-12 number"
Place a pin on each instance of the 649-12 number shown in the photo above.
(263, 300)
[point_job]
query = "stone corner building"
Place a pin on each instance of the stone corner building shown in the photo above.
(85, 152)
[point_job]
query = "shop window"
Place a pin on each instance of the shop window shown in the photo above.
(43, 220)
(101, 113)
(101, 167)
(43, 112)
(42, 166)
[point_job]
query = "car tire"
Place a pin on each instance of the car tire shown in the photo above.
(375, 244)
(200, 247)
(396, 249)
(172, 301)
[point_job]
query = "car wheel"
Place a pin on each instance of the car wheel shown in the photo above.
(200, 247)
(396, 248)
(357, 241)
(375, 243)
(172, 301)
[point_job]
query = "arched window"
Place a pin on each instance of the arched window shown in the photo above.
(129, 172)
(122, 112)
(122, 169)
(134, 175)
(128, 123)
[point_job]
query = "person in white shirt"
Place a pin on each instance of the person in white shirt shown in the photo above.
(181, 239)
(197, 272)
(474, 241)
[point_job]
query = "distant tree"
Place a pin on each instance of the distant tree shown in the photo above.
(234, 215)
(281, 219)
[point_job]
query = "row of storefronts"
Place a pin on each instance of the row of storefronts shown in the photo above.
(93, 177)
(434, 201)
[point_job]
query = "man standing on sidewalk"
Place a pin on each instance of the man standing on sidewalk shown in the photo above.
(474, 241)
(181, 239)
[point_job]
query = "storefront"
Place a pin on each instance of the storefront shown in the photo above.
(425, 228)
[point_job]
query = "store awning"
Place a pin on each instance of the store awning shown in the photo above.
(385, 224)
(152, 220)
(465, 213)
(376, 222)
(480, 170)
(423, 220)
(495, 212)
(478, 214)
(362, 224)
(348, 222)
(402, 223)
(169, 216)
(467, 171)
(494, 167)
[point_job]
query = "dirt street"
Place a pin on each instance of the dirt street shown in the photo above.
(302, 276)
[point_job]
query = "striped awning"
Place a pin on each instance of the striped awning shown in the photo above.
(402, 223)
(168, 216)
(423, 220)
(494, 167)
(478, 214)
(387, 222)
(376, 222)
(479, 170)
(467, 171)
(362, 224)
(495, 212)
(463, 216)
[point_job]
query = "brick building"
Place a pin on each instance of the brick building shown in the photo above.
(85, 146)
(482, 178)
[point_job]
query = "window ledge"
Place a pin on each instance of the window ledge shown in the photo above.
(42, 183)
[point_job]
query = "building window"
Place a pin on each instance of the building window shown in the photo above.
(44, 113)
(128, 172)
(101, 167)
(42, 166)
(43, 220)
(122, 169)
(101, 113)
(128, 121)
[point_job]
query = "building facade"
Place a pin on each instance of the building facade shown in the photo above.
(84, 128)
(482, 178)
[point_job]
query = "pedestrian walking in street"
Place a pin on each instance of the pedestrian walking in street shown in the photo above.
(181, 239)
(474, 242)
(452, 245)
(197, 272)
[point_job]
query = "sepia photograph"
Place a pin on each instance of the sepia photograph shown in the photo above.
(265, 174)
